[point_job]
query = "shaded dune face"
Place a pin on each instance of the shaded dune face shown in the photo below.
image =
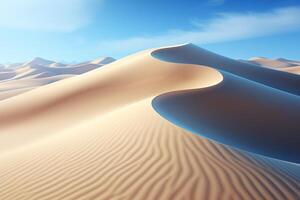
(239, 113)
(97, 136)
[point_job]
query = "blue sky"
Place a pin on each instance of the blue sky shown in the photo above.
(78, 30)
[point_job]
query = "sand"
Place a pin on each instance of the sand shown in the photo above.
(22, 77)
(97, 136)
(281, 64)
(295, 70)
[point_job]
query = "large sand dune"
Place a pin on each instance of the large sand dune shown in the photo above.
(97, 136)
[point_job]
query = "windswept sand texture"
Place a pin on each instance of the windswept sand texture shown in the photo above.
(97, 136)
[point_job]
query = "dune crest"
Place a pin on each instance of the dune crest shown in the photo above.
(192, 54)
(101, 89)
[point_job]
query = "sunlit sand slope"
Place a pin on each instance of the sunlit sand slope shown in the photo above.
(60, 105)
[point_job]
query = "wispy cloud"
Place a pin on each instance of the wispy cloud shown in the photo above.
(45, 15)
(224, 27)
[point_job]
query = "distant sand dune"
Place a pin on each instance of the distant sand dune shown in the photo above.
(19, 78)
(15, 87)
(290, 66)
(6, 75)
(97, 136)
(295, 70)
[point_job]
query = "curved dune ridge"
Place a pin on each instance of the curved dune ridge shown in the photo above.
(195, 55)
(97, 136)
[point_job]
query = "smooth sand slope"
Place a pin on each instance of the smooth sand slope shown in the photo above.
(97, 136)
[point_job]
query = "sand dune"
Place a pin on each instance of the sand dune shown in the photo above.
(97, 136)
(282, 64)
(295, 70)
(96, 93)
(38, 62)
(105, 60)
(278, 63)
(15, 87)
(6, 75)
(19, 78)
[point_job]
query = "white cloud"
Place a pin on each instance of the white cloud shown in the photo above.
(224, 27)
(45, 15)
